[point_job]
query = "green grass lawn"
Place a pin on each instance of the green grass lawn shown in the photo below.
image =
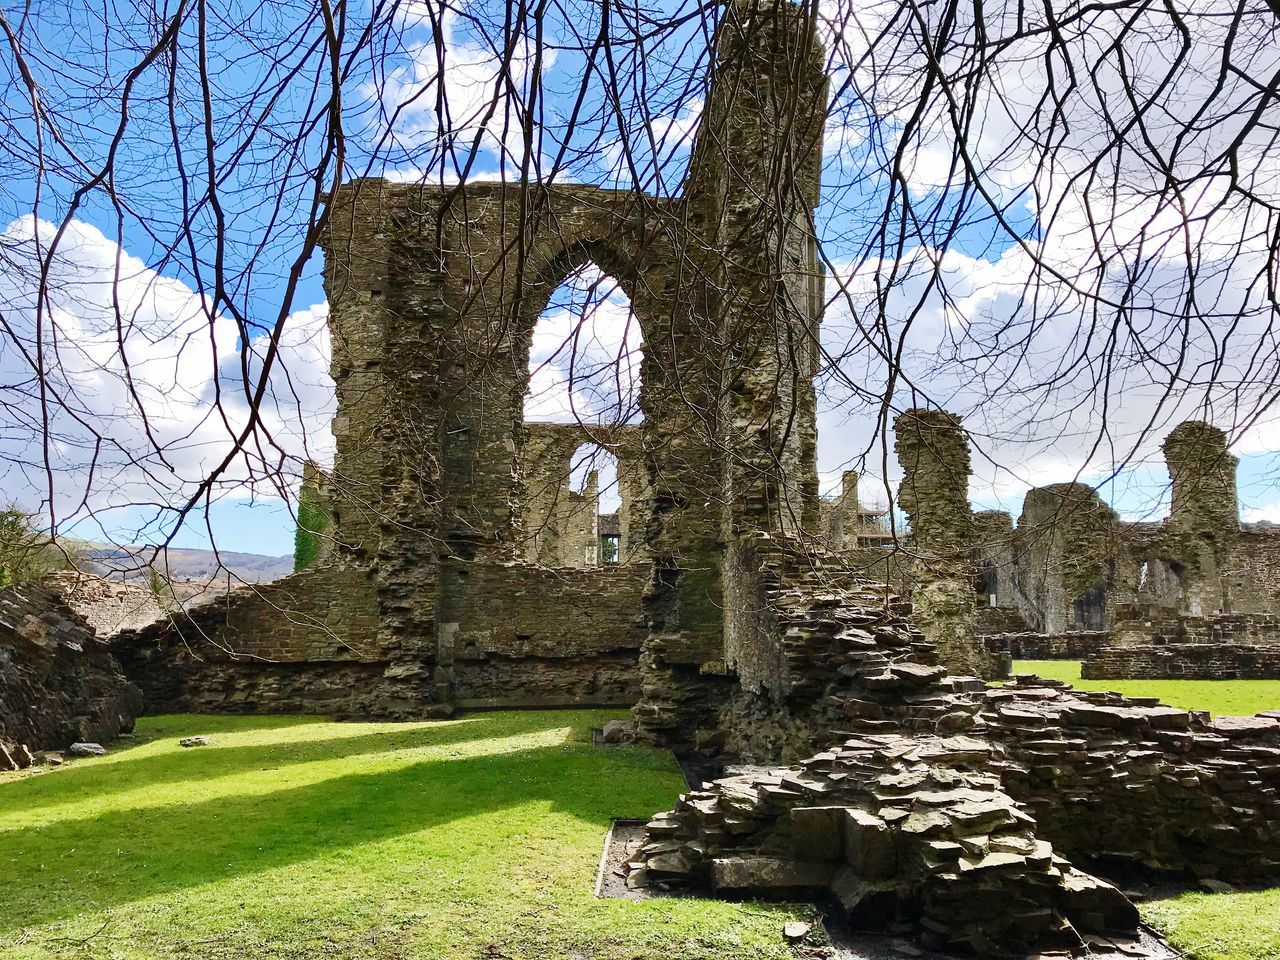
(1221, 697)
(472, 838)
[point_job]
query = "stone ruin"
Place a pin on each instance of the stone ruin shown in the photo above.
(59, 684)
(442, 588)
(1194, 596)
(896, 781)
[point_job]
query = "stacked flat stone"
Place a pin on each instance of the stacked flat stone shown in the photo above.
(908, 834)
(1131, 779)
(821, 631)
(833, 622)
(968, 839)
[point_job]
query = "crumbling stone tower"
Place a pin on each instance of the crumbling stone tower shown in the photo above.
(434, 293)
(1066, 536)
(1205, 511)
(933, 449)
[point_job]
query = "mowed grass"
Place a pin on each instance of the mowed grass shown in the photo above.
(472, 838)
(1234, 698)
(1232, 926)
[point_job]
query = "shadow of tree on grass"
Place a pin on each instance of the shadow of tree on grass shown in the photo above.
(129, 769)
(124, 856)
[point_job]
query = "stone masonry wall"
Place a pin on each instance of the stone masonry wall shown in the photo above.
(1028, 645)
(108, 606)
(1185, 661)
(1236, 646)
(1250, 569)
(934, 452)
(969, 815)
(521, 635)
(58, 682)
(308, 643)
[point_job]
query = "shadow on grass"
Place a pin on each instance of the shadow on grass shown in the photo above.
(69, 867)
(130, 768)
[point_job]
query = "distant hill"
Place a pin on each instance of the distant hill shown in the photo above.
(131, 563)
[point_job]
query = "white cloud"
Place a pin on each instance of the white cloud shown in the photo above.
(1265, 514)
(456, 86)
(584, 360)
(1081, 349)
(144, 389)
(1018, 362)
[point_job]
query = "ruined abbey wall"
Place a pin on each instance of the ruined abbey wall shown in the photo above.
(440, 589)
(562, 526)
(1099, 588)
(108, 606)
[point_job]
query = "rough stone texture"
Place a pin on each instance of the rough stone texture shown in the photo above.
(1223, 647)
(1028, 645)
(901, 831)
(434, 293)
(1071, 564)
(803, 623)
(933, 450)
(518, 635)
(957, 811)
(562, 526)
(58, 682)
(1063, 541)
(1185, 661)
(534, 636)
(308, 643)
(107, 606)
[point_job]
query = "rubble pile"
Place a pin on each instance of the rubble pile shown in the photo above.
(955, 811)
(1113, 778)
(58, 682)
(813, 631)
(907, 834)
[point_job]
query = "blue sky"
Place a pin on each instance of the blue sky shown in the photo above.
(398, 77)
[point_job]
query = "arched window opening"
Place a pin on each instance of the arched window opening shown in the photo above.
(584, 480)
(584, 356)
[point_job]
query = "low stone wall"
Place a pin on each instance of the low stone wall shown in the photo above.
(994, 620)
(518, 635)
(1073, 645)
(1225, 646)
(1137, 626)
(306, 644)
(510, 635)
(58, 682)
(108, 606)
(1183, 661)
(800, 623)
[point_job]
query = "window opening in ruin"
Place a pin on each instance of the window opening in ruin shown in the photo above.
(584, 373)
(594, 505)
(584, 354)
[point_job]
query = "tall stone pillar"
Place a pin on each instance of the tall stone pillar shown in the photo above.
(754, 182)
(934, 452)
(741, 352)
(1204, 517)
